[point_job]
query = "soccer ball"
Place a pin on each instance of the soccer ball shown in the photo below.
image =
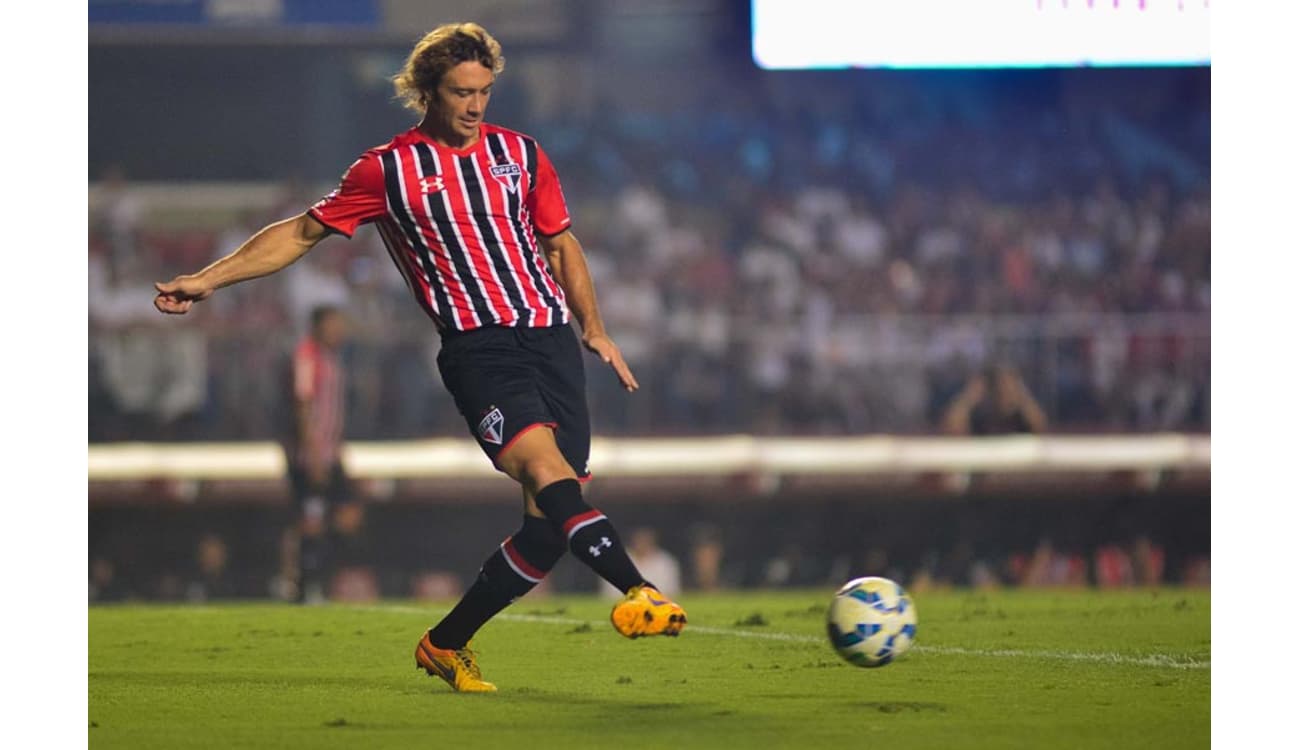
(871, 621)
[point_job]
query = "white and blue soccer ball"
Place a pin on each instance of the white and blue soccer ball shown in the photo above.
(871, 621)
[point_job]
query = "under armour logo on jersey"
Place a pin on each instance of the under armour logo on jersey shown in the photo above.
(489, 428)
(595, 548)
(431, 184)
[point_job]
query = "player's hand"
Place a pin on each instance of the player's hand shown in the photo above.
(604, 347)
(177, 296)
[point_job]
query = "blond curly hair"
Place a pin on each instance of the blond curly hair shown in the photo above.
(439, 51)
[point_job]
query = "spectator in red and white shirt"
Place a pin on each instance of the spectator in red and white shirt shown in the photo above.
(314, 450)
(318, 396)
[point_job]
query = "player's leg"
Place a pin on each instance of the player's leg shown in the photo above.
(554, 488)
(551, 489)
(495, 394)
(313, 540)
(512, 570)
(524, 559)
(350, 559)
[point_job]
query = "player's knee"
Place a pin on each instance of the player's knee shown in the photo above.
(537, 468)
(539, 471)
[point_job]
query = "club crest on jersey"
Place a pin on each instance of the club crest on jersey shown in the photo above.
(431, 184)
(507, 174)
(489, 427)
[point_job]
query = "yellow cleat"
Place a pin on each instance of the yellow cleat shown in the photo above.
(645, 611)
(459, 668)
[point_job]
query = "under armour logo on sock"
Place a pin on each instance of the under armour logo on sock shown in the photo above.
(595, 549)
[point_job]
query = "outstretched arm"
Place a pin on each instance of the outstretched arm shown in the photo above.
(569, 267)
(266, 252)
(1033, 413)
(956, 418)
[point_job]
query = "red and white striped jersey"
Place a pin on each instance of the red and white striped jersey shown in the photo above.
(459, 224)
(318, 382)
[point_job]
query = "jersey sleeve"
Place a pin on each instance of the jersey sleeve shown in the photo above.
(358, 199)
(546, 200)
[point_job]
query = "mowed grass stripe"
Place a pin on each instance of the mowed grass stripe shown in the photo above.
(1169, 661)
(340, 677)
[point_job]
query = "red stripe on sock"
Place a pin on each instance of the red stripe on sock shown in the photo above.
(508, 547)
(581, 518)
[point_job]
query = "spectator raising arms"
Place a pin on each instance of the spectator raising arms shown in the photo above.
(994, 402)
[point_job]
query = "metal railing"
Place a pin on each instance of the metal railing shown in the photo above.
(869, 374)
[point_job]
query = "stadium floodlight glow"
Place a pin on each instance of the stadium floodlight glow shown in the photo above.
(791, 35)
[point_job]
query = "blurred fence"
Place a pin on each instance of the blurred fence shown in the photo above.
(734, 512)
(732, 455)
(1091, 373)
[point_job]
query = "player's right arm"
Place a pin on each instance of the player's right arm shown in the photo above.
(358, 199)
(266, 252)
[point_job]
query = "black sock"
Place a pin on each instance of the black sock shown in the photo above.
(519, 564)
(590, 536)
(313, 561)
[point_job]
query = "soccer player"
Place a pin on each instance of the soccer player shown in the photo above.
(474, 218)
(313, 450)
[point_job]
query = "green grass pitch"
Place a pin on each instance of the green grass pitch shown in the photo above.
(1008, 669)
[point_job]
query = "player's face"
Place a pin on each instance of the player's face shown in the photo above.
(463, 98)
(333, 330)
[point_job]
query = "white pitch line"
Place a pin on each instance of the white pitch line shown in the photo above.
(1150, 660)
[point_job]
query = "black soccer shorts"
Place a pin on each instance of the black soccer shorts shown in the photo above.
(337, 487)
(507, 381)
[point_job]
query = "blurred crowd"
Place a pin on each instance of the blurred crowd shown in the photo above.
(207, 572)
(793, 262)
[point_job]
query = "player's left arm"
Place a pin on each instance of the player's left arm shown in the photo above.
(569, 267)
(1034, 415)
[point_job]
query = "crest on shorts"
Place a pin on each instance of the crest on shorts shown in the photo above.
(489, 427)
(508, 174)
